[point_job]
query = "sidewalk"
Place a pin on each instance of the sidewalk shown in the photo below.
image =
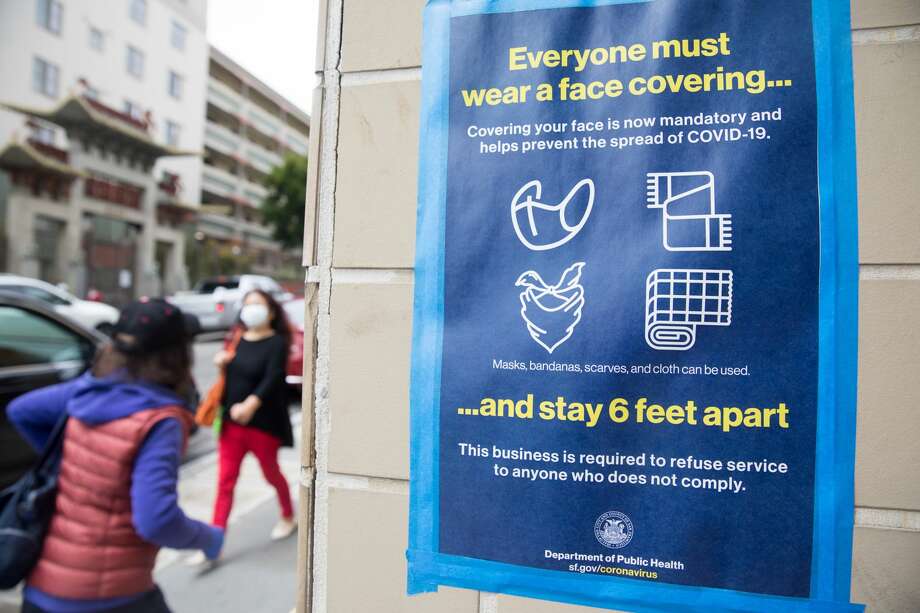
(255, 574)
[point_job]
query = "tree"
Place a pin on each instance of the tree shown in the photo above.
(283, 207)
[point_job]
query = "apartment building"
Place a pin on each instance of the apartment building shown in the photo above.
(250, 128)
(101, 128)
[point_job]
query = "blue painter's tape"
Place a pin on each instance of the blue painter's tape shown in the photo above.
(590, 590)
(833, 514)
(839, 279)
(428, 313)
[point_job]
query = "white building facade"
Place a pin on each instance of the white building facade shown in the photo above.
(250, 128)
(135, 71)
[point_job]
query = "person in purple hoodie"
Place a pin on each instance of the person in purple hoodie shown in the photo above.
(117, 501)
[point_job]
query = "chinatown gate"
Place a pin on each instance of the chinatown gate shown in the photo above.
(92, 215)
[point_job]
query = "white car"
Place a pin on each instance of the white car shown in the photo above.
(90, 314)
(216, 301)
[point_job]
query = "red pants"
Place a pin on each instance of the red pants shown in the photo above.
(235, 442)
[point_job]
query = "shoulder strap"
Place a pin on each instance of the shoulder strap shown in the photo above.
(51, 454)
(235, 341)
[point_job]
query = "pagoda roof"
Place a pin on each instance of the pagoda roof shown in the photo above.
(23, 156)
(78, 113)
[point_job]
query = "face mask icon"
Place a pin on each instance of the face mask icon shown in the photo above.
(541, 226)
(551, 312)
(689, 221)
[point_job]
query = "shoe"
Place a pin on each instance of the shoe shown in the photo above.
(199, 559)
(283, 529)
(196, 559)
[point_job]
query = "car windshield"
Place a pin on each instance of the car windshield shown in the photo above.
(294, 310)
(211, 285)
(36, 292)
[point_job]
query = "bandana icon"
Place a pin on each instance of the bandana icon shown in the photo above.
(551, 312)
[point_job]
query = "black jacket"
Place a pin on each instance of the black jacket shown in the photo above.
(259, 368)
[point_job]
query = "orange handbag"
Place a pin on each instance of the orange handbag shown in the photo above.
(209, 407)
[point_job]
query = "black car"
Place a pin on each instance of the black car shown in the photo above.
(38, 347)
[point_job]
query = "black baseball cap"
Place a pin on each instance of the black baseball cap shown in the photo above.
(152, 324)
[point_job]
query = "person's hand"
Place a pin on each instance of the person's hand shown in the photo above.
(241, 413)
(222, 359)
(212, 551)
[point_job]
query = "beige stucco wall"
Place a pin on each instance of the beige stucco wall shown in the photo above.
(362, 198)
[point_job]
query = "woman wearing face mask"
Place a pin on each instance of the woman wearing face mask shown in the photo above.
(255, 406)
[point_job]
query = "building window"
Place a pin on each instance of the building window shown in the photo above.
(134, 110)
(139, 11)
(45, 77)
(50, 14)
(173, 131)
(96, 39)
(43, 134)
(135, 62)
(177, 36)
(175, 85)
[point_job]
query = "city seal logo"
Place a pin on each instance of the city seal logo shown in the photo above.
(614, 530)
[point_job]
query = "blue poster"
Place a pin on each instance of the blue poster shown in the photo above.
(634, 343)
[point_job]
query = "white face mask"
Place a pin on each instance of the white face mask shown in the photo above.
(254, 315)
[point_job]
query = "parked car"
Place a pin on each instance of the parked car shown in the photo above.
(85, 312)
(296, 314)
(38, 346)
(217, 301)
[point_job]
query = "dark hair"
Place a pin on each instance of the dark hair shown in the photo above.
(279, 322)
(170, 367)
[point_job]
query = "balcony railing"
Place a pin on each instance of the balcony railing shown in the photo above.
(221, 138)
(220, 181)
(297, 145)
(253, 190)
(259, 162)
(269, 127)
(111, 191)
(224, 97)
